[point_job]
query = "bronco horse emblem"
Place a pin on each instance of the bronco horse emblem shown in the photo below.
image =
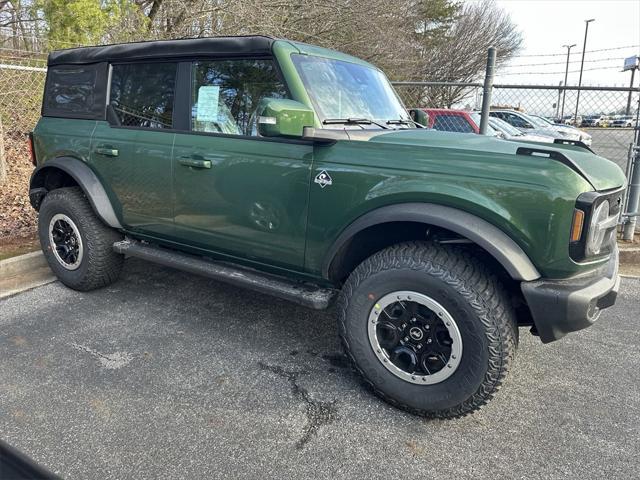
(323, 179)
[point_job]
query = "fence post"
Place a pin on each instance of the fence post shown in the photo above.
(3, 160)
(633, 202)
(486, 92)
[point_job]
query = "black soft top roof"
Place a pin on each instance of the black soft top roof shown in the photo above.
(243, 45)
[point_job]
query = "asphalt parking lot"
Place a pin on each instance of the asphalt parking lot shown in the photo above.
(612, 143)
(168, 375)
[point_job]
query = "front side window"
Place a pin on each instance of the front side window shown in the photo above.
(142, 94)
(342, 90)
(226, 94)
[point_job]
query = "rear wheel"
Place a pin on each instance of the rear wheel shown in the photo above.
(75, 242)
(429, 328)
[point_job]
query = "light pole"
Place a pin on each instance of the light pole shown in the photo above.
(566, 74)
(584, 47)
(628, 110)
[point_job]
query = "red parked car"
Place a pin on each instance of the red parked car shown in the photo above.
(449, 120)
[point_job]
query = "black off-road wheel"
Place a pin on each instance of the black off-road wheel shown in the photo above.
(429, 328)
(75, 242)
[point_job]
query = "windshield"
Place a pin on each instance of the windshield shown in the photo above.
(342, 90)
(535, 120)
(505, 127)
(476, 118)
(544, 121)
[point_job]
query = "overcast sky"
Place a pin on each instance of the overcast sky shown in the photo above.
(548, 24)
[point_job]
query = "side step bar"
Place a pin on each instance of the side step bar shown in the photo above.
(310, 296)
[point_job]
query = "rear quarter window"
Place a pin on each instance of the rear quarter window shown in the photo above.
(76, 91)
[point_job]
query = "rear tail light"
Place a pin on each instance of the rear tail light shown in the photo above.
(32, 151)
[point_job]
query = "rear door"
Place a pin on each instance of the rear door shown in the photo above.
(237, 193)
(132, 152)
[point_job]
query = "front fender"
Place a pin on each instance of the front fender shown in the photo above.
(86, 180)
(498, 244)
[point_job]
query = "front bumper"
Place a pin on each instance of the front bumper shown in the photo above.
(562, 306)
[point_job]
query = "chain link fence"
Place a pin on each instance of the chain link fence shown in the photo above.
(22, 77)
(607, 116)
(602, 111)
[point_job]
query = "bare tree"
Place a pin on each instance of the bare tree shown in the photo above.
(461, 55)
(416, 39)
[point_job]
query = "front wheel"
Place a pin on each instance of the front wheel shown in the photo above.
(429, 328)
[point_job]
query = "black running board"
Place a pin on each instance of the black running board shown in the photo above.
(305, 294)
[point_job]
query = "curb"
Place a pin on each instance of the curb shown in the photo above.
(31, 270)
(630, 255)
(24, 272)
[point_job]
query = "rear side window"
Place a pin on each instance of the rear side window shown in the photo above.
(76, 91)
(142, 94)
(452, 123)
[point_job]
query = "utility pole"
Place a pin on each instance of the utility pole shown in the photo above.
(557, 104)
(566, 74)
(584, 48)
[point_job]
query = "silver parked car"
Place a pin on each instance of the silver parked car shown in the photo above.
(509, 132)
(540, 126)
(595, 121)
(545, 122)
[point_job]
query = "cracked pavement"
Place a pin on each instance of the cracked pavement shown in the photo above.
(169, 375)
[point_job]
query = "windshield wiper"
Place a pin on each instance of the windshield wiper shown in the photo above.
(352, 121)
(404, 122)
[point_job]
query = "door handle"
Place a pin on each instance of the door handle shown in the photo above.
(194, 162)
(107, 151)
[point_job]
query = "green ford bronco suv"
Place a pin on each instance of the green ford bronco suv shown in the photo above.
(296, 171)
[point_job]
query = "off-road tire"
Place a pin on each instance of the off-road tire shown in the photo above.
(468, 290)
(100, 265)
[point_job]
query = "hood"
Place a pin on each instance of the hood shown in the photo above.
(555, 132)
(562, 128)
(601, 173)
(526, 137)
(568, 132)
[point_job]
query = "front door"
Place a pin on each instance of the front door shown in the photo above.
(132, 153)
(236, 193)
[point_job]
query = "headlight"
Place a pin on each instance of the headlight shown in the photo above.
(597, 231)
(593, 228)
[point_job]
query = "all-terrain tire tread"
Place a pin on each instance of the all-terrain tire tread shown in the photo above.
(104, 264)
(471, 279)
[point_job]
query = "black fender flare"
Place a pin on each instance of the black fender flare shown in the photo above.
(84, 177)
(497, 243)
